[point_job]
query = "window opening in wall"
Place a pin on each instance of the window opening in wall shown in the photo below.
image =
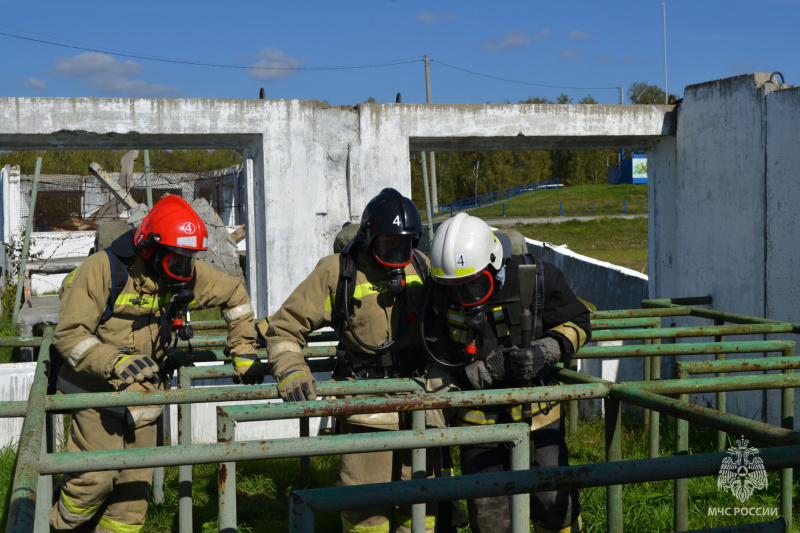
(71, 202)
(593, 201)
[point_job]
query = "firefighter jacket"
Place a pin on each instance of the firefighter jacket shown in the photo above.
(378, 314)
(564, 317)
(91, 346)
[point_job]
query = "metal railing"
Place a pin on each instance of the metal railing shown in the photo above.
(497, 196)
(37, 460)
(557, 209)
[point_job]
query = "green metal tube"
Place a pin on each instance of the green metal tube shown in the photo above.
(727, 317)
(704, 416)
(787, 408)
(277, 448)
(701, 331)
(573, 411)
(639, 313)
(414, 402)
(13, 409)
(534, 480)
(613, 426)
(681, 495)
(589, 352)
(226, 475)
(618, 323)
(417, 472)
(22, 506)
(26, 241)
(184, 470)
(20, 342)
(770, 381)
(646, 365)
(722, 404)
(687, 301)
(655, 416)
(758, 364)
(520, 502)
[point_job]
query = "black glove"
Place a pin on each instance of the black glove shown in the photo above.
(491, 371)
(526, 362)
(135, 368)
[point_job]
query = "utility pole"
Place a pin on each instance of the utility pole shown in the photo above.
(664, 13)
(434, 195)
(621, 99)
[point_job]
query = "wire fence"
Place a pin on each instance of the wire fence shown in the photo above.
(70, 202)
(559, 209)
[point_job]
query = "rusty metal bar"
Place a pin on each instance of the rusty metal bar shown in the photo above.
(534, 480)
(22, 506)
(639, 313)
(682, 349)
(699, 331)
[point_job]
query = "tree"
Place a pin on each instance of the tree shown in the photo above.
(643, 93)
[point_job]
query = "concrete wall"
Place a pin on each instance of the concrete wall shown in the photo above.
(723, 220)
(310, 167)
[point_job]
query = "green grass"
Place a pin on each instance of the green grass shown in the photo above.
(578, 200)
(619, 241)
(648, 507)
(262, 495)
(8, 329)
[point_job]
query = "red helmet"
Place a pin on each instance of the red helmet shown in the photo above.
(175, 228)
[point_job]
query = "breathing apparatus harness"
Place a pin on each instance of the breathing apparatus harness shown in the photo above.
(173, 318)
(353, 362)
(480, 340)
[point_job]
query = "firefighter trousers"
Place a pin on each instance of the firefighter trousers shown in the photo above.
(377, 467)
(114, 500)
(551, 511)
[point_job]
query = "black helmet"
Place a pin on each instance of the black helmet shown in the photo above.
(389, 213)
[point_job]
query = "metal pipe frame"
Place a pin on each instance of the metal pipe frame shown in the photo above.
(229, 416)
(648, 395)
(786, 363)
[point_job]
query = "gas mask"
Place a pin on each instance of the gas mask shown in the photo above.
(394, 252)
(175, 266)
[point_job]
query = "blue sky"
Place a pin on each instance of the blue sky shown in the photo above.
(289, 48)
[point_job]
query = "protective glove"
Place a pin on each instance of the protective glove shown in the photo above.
(526, 363)
(135, 368)
(487, 372)
(297, 386)
(247, 369)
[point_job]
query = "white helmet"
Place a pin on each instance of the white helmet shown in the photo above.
(462, 249)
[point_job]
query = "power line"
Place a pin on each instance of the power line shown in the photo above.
(524, 82)
(203, 64)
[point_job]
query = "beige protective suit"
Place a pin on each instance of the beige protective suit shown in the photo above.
(381, 316)
(117, 500)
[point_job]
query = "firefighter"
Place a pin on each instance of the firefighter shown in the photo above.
(477, 298)
(371, 294)
(114, 329)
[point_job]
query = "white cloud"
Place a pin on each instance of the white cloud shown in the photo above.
(513, 39)
(578, 35)
(569, 54)
(427, 17)
(34, 83)
(273, 64)
(91, 64)
(106, 74)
